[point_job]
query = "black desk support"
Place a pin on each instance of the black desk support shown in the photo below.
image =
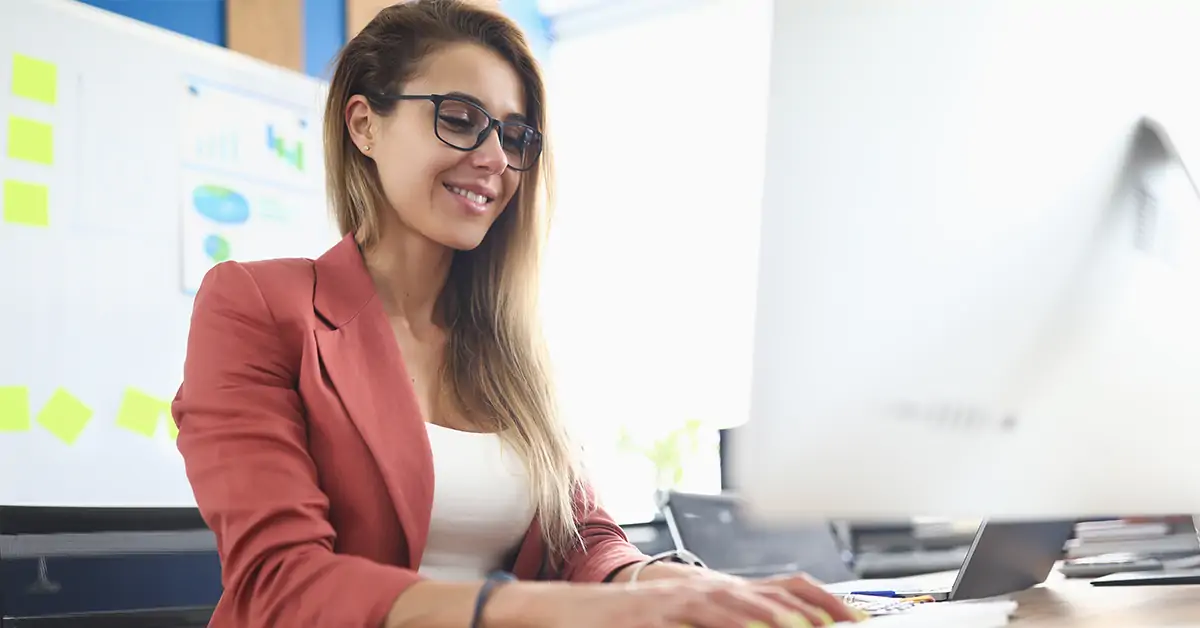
(46, 520)
(82, 556)
(163, 618)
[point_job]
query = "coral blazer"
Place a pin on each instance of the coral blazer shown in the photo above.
(308, 455)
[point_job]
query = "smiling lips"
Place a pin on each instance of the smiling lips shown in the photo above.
(472, 196)
(475, 200)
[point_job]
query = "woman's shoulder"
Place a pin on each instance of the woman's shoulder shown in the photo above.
(285, 277)
(282, 288)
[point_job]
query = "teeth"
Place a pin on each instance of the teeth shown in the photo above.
(477, 198)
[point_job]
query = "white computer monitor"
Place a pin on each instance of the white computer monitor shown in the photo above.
(979, 288)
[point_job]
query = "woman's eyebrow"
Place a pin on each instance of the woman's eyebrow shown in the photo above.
(512, 117)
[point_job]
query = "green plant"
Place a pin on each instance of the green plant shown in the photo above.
(668, 453)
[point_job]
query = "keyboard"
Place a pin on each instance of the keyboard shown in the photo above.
(876, 606)
(905, 613)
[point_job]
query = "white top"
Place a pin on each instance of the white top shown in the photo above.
(482, 504)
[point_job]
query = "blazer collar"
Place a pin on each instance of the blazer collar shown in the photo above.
(343, 285)
(366, 369)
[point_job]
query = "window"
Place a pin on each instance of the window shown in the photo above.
(658, 128)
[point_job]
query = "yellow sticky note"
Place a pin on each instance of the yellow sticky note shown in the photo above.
(140, 412)
(64, 416)
(34, 79)
(14, 409)
(26, 204)
(30, 140)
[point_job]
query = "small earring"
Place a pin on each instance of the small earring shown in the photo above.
(366, 149)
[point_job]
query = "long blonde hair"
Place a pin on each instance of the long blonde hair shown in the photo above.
(495, 361)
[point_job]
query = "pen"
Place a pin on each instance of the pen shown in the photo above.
(875, 593)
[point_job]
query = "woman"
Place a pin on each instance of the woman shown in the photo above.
(321, 398)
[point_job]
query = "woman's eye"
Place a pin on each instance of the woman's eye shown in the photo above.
(460, 123)
(514, 145)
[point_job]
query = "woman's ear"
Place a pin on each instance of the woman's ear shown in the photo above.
(360, 122)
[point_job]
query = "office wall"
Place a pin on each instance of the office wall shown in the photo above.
(200, 19)
(324, 35)
(323, 25)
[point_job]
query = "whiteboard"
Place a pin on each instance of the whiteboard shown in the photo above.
(134, 159)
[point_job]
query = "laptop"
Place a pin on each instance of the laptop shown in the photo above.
(713, 528)
(1005, 557)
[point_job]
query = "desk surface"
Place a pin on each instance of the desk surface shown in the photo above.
(1063, 603)
(1059, 603)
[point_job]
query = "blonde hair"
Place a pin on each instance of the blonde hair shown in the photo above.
(495, 362)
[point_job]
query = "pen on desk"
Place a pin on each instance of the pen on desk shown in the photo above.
(875, 593)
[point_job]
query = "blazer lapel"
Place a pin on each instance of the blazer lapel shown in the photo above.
(366, 369)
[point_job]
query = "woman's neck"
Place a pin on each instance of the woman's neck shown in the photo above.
(409, 271)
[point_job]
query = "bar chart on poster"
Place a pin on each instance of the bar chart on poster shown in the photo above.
(131, 162)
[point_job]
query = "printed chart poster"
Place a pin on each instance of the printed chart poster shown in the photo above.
(252, 185)
(231, 218)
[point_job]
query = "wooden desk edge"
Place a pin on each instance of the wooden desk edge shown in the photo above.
(1065, 603)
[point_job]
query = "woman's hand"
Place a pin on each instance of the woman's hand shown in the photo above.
(802, 587)
(792, 602)
(798, 586)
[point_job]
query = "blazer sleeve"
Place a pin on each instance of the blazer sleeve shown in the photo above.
(242, 436)
(605, 548)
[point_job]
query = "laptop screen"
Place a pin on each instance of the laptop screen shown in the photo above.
(713, 528)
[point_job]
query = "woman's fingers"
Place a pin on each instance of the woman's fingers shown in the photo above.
(755, 605)
(813, 595)
(743, 606)
(710, 608)
(813, 615)
(791, 602)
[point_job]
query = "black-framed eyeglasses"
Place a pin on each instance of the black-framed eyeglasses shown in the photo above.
(465, 125)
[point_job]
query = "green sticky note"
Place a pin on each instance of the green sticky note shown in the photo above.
(34, 79)
(64, 416)
(14, 409)
(30, 140)
(26, 204)
(140, 412)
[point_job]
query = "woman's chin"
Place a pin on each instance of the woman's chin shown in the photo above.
(467, 240)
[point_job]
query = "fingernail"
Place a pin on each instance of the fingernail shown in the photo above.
(757, 624)
(825, 618)
(796, 620)
(860, 615)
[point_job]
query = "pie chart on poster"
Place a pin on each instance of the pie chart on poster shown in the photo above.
(216, 248)
(220, 204)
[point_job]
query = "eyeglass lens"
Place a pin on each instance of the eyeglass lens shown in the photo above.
(465, 126)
